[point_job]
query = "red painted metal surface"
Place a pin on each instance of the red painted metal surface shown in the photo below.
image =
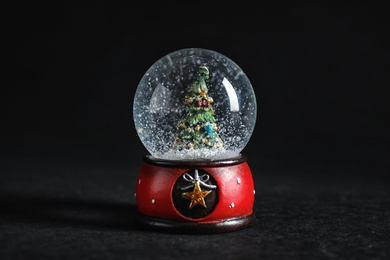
(235, 191)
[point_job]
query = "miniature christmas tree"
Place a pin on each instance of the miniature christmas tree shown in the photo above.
(197, 127)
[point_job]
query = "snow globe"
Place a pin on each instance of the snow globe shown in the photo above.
(194, 111)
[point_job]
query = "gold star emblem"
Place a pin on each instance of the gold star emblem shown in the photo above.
(197, 196)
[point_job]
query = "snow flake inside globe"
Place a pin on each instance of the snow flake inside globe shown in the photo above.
(194, 104)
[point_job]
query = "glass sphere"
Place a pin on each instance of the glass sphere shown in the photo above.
(194, 104)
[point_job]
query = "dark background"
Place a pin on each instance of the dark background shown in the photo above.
(69, 153)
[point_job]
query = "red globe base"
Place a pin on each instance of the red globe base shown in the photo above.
(195, 197)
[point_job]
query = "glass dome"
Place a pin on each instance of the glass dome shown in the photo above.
(194, 104)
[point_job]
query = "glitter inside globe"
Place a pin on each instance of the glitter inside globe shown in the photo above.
(194, 104)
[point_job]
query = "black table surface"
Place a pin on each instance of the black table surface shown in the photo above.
(71, 207)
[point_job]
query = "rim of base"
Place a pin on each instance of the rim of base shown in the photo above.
(195, 163)
(226, 225)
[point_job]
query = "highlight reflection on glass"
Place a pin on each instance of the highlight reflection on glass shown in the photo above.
(234, 107)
